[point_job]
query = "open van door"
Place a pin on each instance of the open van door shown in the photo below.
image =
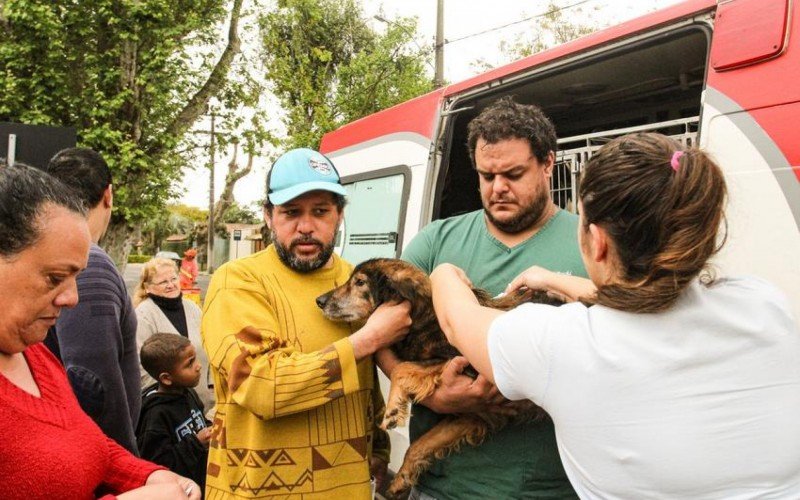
(383, 160)
(749, 112)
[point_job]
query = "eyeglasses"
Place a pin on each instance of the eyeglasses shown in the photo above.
(162, 284)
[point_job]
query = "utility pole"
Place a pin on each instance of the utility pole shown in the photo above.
(211, 110)
(438, 77)
(210, 257)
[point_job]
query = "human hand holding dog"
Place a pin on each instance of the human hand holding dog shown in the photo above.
(459, 393)
(535, 278)
(388, 324)
(561, 286)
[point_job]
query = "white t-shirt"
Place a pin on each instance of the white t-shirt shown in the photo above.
(700, 402)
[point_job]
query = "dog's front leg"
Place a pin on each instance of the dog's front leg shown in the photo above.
(441, 439)
(409, 381)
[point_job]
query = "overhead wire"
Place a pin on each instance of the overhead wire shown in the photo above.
(552, 11)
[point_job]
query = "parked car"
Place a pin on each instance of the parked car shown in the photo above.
(170, 255)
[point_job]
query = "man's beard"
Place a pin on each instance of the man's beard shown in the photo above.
(299, 264)
(527, 217)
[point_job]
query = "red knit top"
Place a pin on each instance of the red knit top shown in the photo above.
(49, 448)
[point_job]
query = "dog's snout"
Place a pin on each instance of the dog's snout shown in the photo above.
(323, 299)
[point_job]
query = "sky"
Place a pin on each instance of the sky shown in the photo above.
(471, 31)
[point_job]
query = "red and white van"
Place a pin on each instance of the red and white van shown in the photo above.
(724, 75)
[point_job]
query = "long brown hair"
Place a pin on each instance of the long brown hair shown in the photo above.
(149, 271)
(664, 220)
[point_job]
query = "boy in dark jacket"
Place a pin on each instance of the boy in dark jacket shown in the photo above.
(172, 429)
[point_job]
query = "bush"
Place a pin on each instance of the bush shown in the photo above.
(138, 259)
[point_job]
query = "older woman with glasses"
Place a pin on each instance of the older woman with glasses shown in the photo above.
(161, 308)
(50, 448)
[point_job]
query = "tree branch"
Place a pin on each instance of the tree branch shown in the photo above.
(234, 174)
(198, 102)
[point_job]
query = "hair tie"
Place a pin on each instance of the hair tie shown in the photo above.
(675, 161)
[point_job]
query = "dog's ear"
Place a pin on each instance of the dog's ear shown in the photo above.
(391, 284)
(405, 289)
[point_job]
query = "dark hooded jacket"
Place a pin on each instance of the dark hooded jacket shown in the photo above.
(167, 430)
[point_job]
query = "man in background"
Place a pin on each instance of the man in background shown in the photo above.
(96, 340)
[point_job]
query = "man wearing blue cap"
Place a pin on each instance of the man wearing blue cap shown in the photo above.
(297, 394)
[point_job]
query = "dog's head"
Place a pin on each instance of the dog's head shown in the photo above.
(372, 283)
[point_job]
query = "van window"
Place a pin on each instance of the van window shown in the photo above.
(372, 216)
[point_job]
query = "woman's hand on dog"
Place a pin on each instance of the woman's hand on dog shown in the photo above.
(459, 393)
(388, 324)
(561, 286)
(535, 278)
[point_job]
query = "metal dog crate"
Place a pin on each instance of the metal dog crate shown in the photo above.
(575, 151)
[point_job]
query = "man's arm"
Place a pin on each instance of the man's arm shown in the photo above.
(92, 350)
(271, 379)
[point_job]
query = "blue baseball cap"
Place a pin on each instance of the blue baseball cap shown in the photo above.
(299, 171)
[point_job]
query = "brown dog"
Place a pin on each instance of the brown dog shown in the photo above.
(423, 354)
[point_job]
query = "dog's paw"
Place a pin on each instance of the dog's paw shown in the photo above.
(399, 487)
(390, 419)
(396, 417)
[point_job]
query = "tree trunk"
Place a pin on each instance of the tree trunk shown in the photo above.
(234, 174)
(117, 242)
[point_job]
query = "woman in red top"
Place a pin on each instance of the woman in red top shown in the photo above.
(188, 272)
(49, 448)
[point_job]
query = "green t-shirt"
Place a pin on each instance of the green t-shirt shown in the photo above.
(520, 461)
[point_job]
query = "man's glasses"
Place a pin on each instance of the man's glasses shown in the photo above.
(162, 284)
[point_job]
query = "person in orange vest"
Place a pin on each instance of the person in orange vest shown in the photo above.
(188, 274)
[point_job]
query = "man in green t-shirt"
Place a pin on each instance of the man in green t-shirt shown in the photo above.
(512, 147)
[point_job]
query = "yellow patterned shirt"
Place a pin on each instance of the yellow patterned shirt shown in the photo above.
(295, 412)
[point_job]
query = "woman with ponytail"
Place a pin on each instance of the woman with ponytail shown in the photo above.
(662, 380)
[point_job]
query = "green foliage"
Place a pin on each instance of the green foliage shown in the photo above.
(189, 213)
(138, 258)
(328, 67)
(237, 214)
(122, 72)
(175, 219)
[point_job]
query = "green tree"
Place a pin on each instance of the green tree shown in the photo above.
(237, 214)
(132, 76)
(327, 66)
(174, 219)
